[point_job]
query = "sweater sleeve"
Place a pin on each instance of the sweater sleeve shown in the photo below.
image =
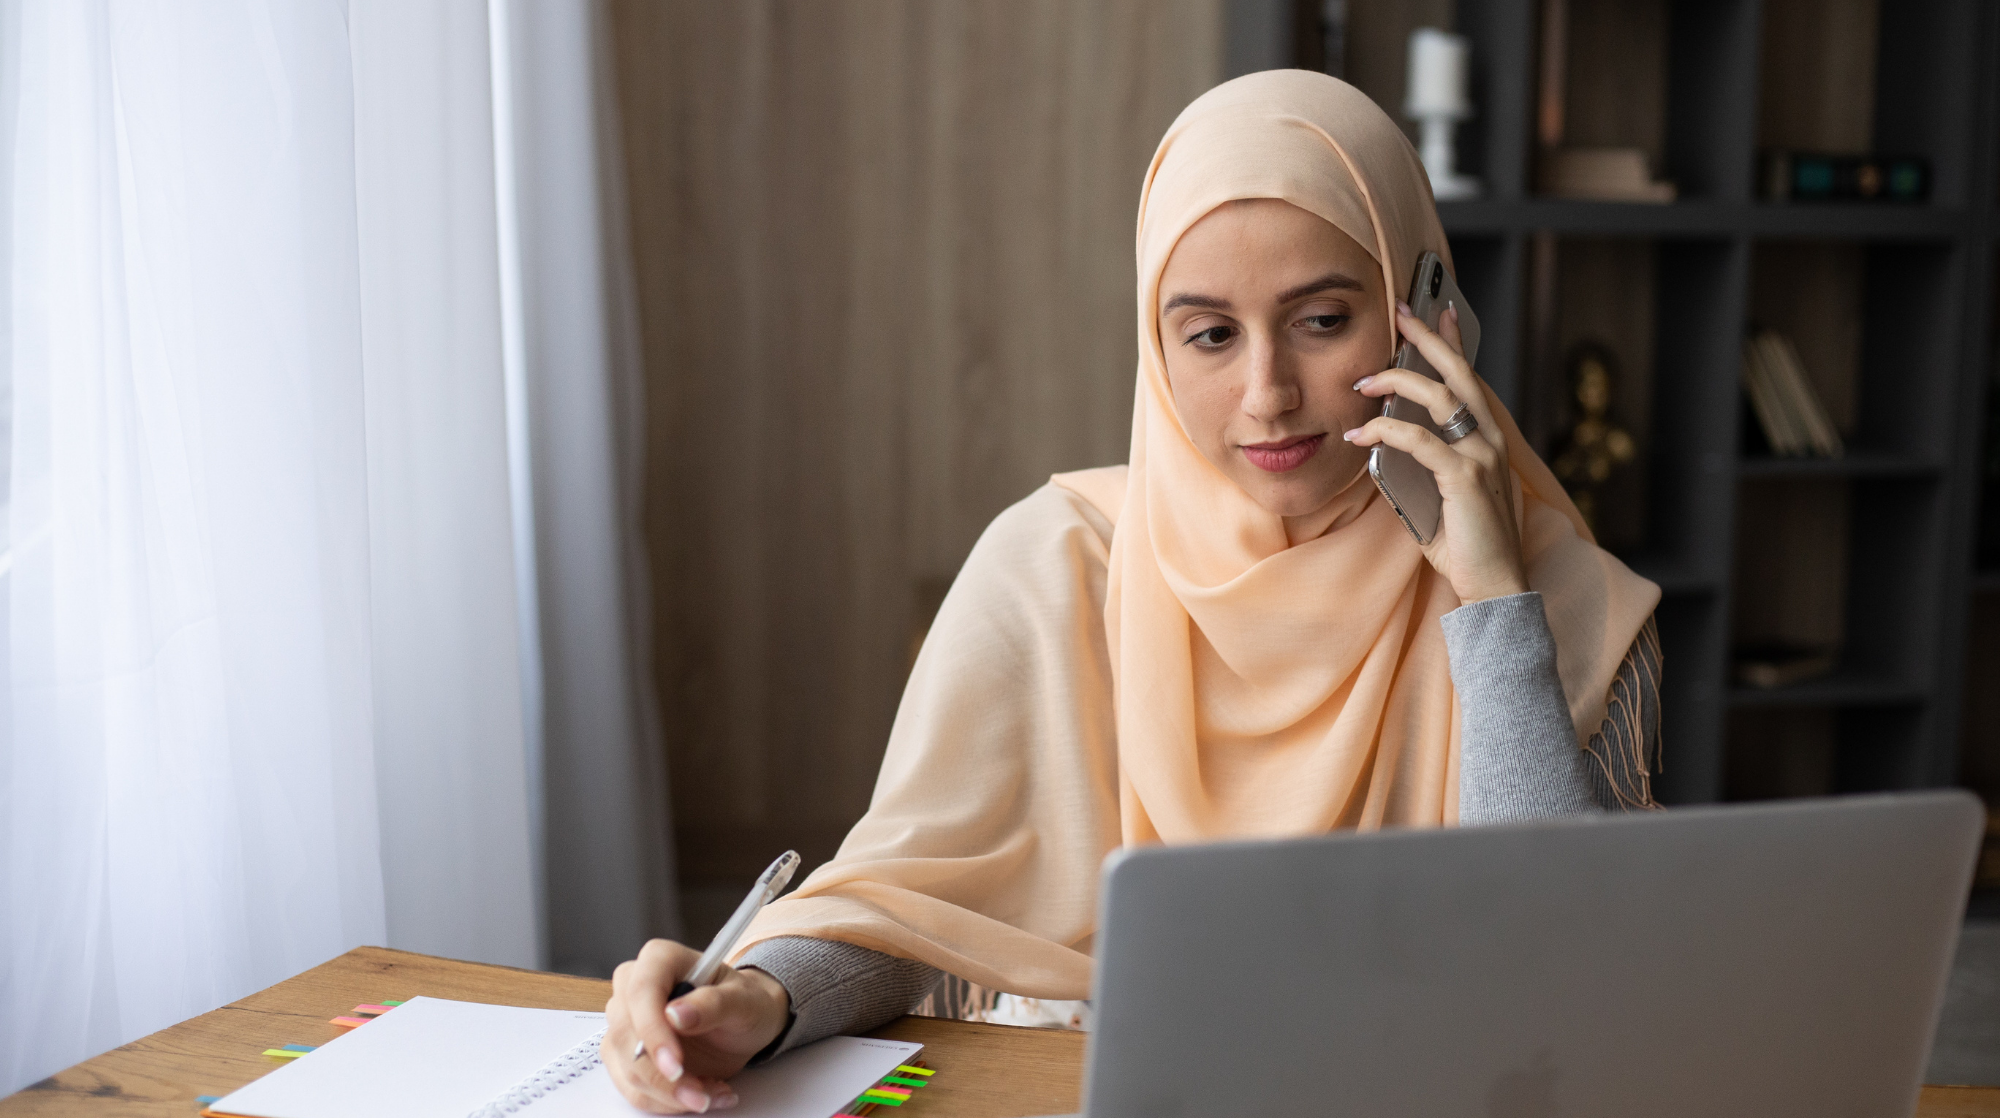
(1518, 757)
(837, 989)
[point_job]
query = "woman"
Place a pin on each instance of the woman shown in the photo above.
(1233, 636)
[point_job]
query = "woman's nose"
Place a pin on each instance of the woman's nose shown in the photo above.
(1271, 389)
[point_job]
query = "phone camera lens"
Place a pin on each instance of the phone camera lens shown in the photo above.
(1437, 280)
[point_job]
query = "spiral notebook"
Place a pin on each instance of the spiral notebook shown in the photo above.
(433, 1058)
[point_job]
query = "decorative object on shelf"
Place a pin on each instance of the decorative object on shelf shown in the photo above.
(1437, 101)
(1781, 664)
(1793, 420)
(1594, 447)
(1551, 74)
(1799, 176)
(1601, 174)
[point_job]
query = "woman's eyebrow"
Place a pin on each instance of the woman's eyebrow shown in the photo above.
(1185, 300)
(1332, 281)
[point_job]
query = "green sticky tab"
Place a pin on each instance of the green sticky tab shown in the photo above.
(386, 1001)
(904, 1081)
(882, 1100)
(914, 1070)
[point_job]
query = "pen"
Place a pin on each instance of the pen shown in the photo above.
(769, 885)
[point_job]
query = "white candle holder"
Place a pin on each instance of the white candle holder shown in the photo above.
(1437, 101)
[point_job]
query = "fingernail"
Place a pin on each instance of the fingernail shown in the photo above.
(1349, 435)
(1451, 309)
(725, 1099)
(692, 1097)
(680, 1016)
(1363, 383)
(669, 1067)
(1402, 306)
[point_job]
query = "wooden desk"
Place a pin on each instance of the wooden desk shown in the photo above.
(984, 1071)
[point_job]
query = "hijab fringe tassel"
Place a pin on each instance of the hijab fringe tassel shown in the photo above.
(1626, 748)
(955, 999)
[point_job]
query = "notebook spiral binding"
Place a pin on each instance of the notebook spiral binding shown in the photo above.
(564, 1068)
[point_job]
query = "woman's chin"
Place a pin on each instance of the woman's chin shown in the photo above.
(1289, 495)
(1303, 491)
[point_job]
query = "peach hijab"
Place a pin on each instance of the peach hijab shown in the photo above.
(1258, 687)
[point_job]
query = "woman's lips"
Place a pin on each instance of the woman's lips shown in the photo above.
(1286, 454)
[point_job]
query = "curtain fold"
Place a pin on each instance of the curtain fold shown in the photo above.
(452, 732)
(264, 689)
(609, 860)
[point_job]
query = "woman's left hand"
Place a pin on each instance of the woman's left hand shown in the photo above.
(1479, 544)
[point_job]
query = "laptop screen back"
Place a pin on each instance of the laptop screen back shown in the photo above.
(1771, 960)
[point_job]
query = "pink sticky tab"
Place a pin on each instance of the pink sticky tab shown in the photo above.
(372, 1010)
(351, 1022)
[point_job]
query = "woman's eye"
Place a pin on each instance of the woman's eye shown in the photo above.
(1212, 337)
(1323, 323)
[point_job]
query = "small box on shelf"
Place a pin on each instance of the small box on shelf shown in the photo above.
(1776, 664)
(1798, 176)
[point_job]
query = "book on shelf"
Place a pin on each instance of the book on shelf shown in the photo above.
(1803, 176)
(1781, 663)
(1600, 174)
(1789, 412)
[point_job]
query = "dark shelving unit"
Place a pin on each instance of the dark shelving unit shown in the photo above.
(1903, 499)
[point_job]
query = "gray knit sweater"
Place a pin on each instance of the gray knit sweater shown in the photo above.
(1518, 760)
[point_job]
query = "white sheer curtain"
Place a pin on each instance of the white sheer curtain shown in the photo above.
(271, 683)
(187, 784)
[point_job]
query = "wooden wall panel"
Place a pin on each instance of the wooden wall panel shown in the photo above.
(884, 255)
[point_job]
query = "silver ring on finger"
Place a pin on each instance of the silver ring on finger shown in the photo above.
(1461, 424)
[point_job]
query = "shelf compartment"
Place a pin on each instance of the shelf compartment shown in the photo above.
(1853, 465)
(1819, 750)
(1831, 221)
(1843, 688)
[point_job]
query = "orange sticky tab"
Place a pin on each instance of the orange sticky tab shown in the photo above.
(351, 1022)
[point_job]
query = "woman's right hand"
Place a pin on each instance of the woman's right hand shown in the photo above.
(693, 1045)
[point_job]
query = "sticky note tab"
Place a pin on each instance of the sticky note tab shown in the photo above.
(388, 1003)
(351, 1022)
(284, 1055)
(206, 1099)
(301, 1048)
(881, 1100)
(373, 1010)
(908, 1070)
(887, 1092)
(904, 1081)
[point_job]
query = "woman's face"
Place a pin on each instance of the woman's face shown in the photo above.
(1268, 315)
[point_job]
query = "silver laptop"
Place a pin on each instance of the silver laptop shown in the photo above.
(1777, 960)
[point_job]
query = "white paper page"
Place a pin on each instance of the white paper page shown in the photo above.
(426, 1058)
(810, 1082)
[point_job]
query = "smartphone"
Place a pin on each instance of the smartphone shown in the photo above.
(1404, 481)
